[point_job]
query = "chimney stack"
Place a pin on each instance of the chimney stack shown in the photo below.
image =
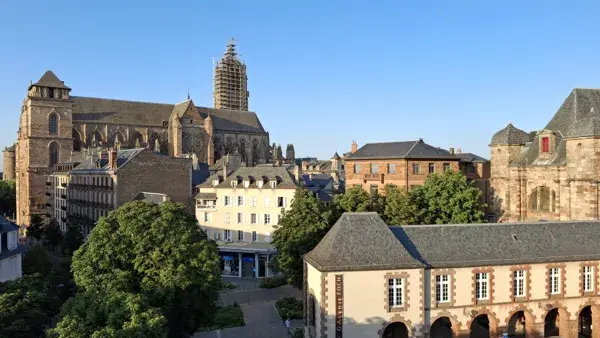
(112, 159)
(451, 151)
(459, 151)
(297, 173)
(354, 147)
(304, 165)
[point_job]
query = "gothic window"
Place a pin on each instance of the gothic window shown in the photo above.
(53, 124)
(242, 150)
(53, 151)
(95, 139)
(117, 137)
(254, 151)
(542, 199)
(229, 146)
(76, 140)
(137, 140)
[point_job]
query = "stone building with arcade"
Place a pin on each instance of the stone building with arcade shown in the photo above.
(54, 124)
(552, 173)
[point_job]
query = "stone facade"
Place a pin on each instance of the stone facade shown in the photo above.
(551, 174)
(9, 164)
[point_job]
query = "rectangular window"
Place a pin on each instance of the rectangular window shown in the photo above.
(240, 201)
(395, 292)
(254, 201)
(446, 166)
(12, 240)
(253, 236)
(442, 288)
(227, 235)
(267, 202)
(416, 168)
(357, 169)
(240, 218)
(545, 145)
(267, 219)
(481, 285)
(374, 168)
(519, 283)
(374, 189)
(253, 219)
(554, 281)
(391, 168)
(431, 168)
(281, 202)
(207, 217)
(227, 201)
(13, 264)
(240, 235)
(588, 278)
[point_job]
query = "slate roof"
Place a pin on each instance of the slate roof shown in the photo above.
(405, 149)
(11, 148)
(7, 226)
(123, 156)
(151, 197)
(580, 104)
(206, 195)
(360, 241)
(101, 110)
(470, 157)
(509, 135)
(49, 79)
(253, 174)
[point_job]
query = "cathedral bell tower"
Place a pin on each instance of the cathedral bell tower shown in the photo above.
(231, 81)
(44, 139)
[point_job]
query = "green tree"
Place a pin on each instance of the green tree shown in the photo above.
(299, 231)
(109, 314)
(51, 234)
(356, 199)
(8, 197)
(448, 198)
(35, 229)
(37, 260)
(27, 305)
(73, 238)
(158, 252)
(399, 208)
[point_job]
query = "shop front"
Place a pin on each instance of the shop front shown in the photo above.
(253, 260)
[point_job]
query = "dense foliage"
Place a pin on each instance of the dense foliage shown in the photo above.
(140, 258)
(443, 198)
(226, 317)
(289, 308)
(8, 197)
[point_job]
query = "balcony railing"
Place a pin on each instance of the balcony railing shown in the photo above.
(90, 187)
(373, 177)
(206, 206)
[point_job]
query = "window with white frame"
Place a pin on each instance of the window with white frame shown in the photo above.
(519, 283)
(267, 202)
(240, 235)
(253, 218)
(442, 288)
(588, 278)
(12, 240)
(207, 217)
(240, 201)
(273, 184)
(217, 236)
(227, 201)
(481, 285)
(267, 219)
(268, 237)
(395, 292)
(233, 184)
(281, 202)
(554, 281)
(227, 235)
(13, 264)
(254, 201)
(259, 184)
(253, 236)
(227, 217)
(246, 184)
(240, 218)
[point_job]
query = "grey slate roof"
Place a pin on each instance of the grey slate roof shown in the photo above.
(123, 156)
(470, 157)
(580, 104)
(360, 241)
(589, 126)
(206, 195)
(153, 114)
(49, 79)
(509, 136)
(7, 226)
(406, 149)
(254, 174)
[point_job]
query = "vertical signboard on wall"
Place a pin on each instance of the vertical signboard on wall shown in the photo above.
(339, 305)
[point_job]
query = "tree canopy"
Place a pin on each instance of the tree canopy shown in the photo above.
(8, 197)
(155, 252)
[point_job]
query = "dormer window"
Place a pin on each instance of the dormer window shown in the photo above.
(246, 184)
(545, 144)
(259, 184)
(273, 184)
(234, 184)
(215, 183)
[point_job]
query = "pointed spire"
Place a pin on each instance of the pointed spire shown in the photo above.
(188, 94)
(230, 51)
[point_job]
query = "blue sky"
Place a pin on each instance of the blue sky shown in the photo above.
(321, 73)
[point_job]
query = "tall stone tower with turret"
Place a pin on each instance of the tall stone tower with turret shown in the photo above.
(43, 140)
(231, 81)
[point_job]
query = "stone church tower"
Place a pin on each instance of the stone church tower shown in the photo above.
(44, 139)
(231, 81)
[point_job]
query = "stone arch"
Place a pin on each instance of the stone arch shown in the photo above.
(53, 153)
(229, 146)
(53, 123)
(556, 320)
(593, 315)
(456, 327)
(77, 141)
(397, 319)
(218, 148)
(136, 138)
(529, 321)
(542, 199)
(117, 137)
(97, 137)
(491, 316)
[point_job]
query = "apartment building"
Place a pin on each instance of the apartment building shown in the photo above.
(365, 279)
(239, 209)
(10, 251)
(98, 182)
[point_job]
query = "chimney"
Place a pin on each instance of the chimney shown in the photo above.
(451, 151)
(112, 159)
(297, 173)
(459, 151)
(354, 147)
(304, 165)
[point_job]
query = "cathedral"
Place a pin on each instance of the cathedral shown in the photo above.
(54, 124)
